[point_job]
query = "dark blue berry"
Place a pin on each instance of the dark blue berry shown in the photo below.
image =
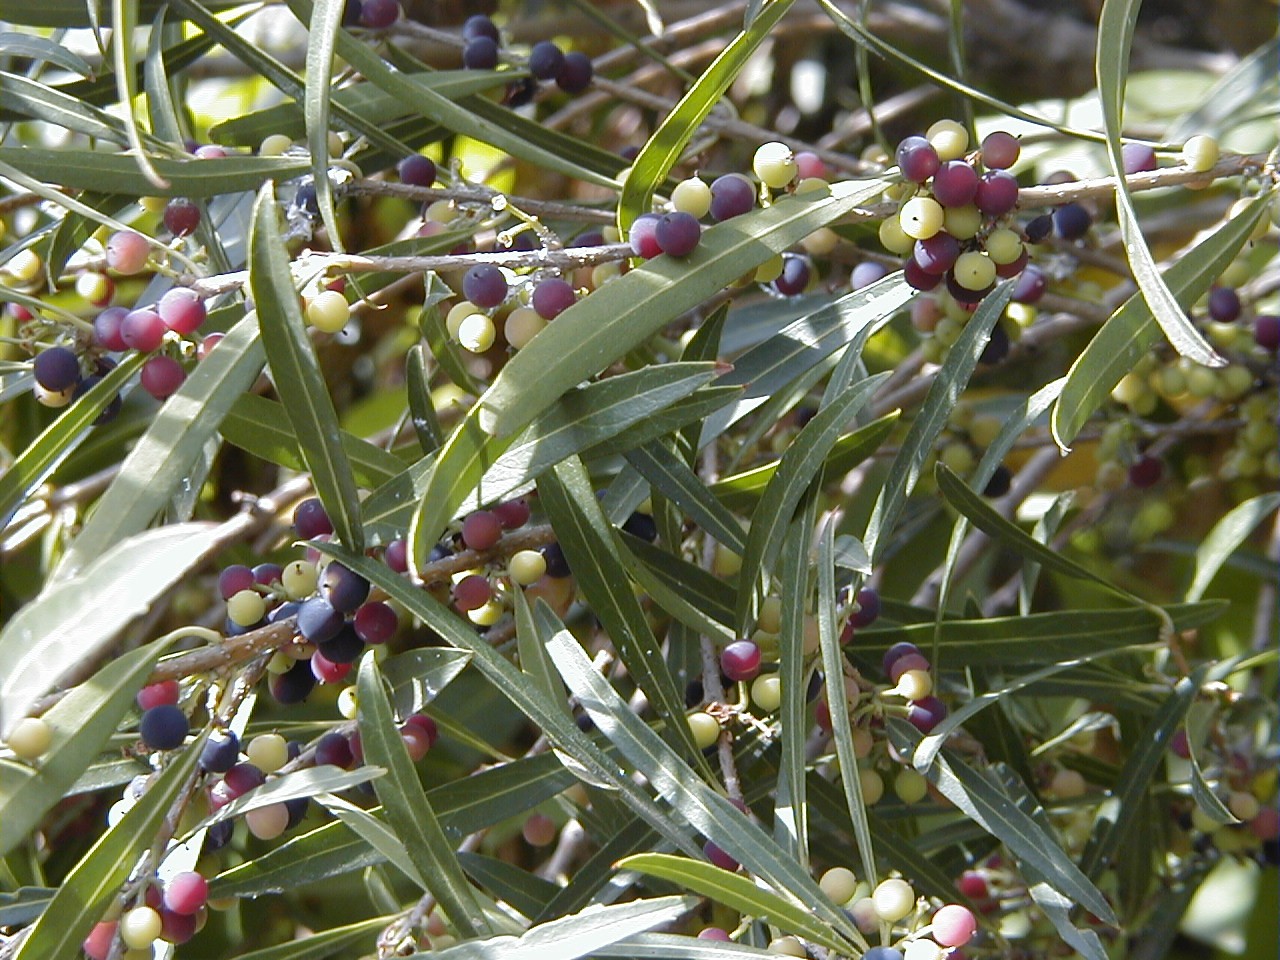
(479, 26)
(164, 727)
(484, 285)
(545, 60)
(1038, 228)
(677, 233)
(575, 73)
(334, 749)
(297, 808)
(56, 369)
(794, 277)
(417, 170)
(345, 647)
(557, 563)
(1071, 221)
(641, 525)
(999, 483)
(294, 685)
(220, 752)
(218, 836)
(480, 54)
(343, 588)
(997, 347)
(318, 621)
(284, 611)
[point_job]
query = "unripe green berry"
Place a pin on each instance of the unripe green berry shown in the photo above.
(268, 752)
(872, 787)
(705, 729)
(30, 738)
(692, 196)
(766, 692)
(770, 618)
(246, 608)
(922, 218)
(910, 786)
(526, 567)
(328, 311)
(893, 900)
(299, 579)
(963, 223)
(1003, 246)
(1200, 152)
(974, 270)
(892, 238)
(476, 333)
(839, 884)
(949, 139)
(140, 927)
(774, 164)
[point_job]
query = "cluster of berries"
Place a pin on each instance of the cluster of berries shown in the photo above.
(173, 912)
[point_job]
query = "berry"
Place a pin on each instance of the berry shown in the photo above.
(480, 54)
(98, 943)
(526, 567)
(643, 236)
(868, 600)
(267, 823)
(1003, 246)
(1224, 304)
(1031, 285)
(140, 927)
(557, 562)
(334, 749)
(937, 254)
(714, 933)
(911, 787)
(914, 684)
(379, 14)
(1200, 152)
(677, 234)
(1000, 150)
(299, 579)
(774, 164)
(246, 608)
(740, 660)
(396, 556)
(375, 622)
(142, 330)
(917, 278)
(882, 953)
(318, 621)
(692, 196)
(794, 277)
(921, 217)
(575, 73)
(641, 525)
(154, 694)
(867, 273)
(998, 485)
(809, 166)
(164, 727)
(973, 885)
(922, 948)
(294, 685)
(539, 830)
(177, 928)
(242, 778)
(484, 285)
(1266, 332)
(893, 900)
(106, 328)
(268, 752)
(417, 170)
(949, 138)
(718, 857)
(326, 671)
(56, 369)
(1071, 221)
(472, 592)
(997, 193)
(220, 752)
(30, 738)
(162, 376)
(233, 580)
(343, 588)
(328, 311)
(705, 729)
(917, 159)
(127, 252)
(310, 519)
(186, 893)
(766, 693)
(955, 184)
(974, 271)
(552, 297)
(926, 713)
(481, 530)
(1038, 228)
(1146, 472)
(182, 310)
(546, 60)
(839, 884)
(479, 26)
(731, 195)
(512, 514)
(476, 333)
(181, 217)
(426, 725)
(1137, 158)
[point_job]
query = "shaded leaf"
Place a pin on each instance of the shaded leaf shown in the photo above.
(323, 944)
(1227, 534)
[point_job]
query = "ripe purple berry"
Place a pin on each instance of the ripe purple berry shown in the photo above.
(375, 622)
(1071, 221)
(1224, 304)
(552, 297)
(318, 621)
(310, 519)
(164, 727)
(795, 275)
(1000, 150)
(677, 234)
(575, 73)
(997, 193)
(479, 26)
(740, 660)
(868, 608)
(917, 159)
(546, 60)
(142, 330)
(1266, 332)
(1137, 157)
(343, 588)
(867, 273)
(955, 184)
(936, 255)
(484, 285)
(731, 195)
(379, 14)
(417, 170)
(1146, 471)
(480, 54)
(344, 647)
(233, 580)
(106, 328)
(181, 216)
(481, 530)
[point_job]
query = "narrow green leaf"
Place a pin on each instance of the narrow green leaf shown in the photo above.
(704, 809)
(43, 49)
(944, 393)
(1041, 637)
(797, 468)
(531, 634)
(296, 372)
(75, 620)
(667, 946)
(422, 413)
(576, 935)
(1250, 79)
(82, 722)
(621, 315)
(585, 535)
(29, 98)
(261, 427)
(97, 877)
(325, 21)
(563, 733)
(689, 583)
(408, 810)
(160, 463)
(1043, 530)
(1115, 40)
(419, 676)
(1227, 534)
(692, 614)
(833, 668)
(519, 888)
(791, 808)
(985, 804)
(124, 22)
(23, 905)
(662, 151)
(324, 944)
(375, 834)
(1130, 332)
(56, 442)
(669, 475)
(160, 100)
(738, 892)
(117, 173)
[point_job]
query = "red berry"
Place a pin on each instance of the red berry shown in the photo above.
(481, 530)
(155, 694)
(186, 892)
(181, 216)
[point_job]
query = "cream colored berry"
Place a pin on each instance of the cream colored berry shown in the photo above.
(268, 752)
(774, 164)
(476, 333)
(526, 567)
(705, 729)
(893, 899)
(692, 196)
(921, 217)
(839, 884)
(328, 311)
(949, 139)
(30, 738)
(140, 927)
(1200, 152)
(522, 325)
(299, 579)
(275, 145)
(348, 703)
(267, 823)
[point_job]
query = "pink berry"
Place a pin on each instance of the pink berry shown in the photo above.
(162, 376)
(127, 252)
(740, 660)
(512, 514)
(182, 310)
(156, 694)
(953, 925)
(481, 530)
(973, 885)
(186, 892)
(713, 933)
(425, 723)
(98, 944)
(809, 164)
(415, 740)
(142, 330)
(326, 671)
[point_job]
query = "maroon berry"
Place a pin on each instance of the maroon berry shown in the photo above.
(1146, 472)
(334, 749)
(552, 297)
(1031, 285)
(379, 14)
(731, 195)
(917, 159)
(1000, 150)
(233, 579)
(795, 275)
(426, 724)
(917, 278)
(186, 893)
(326, 671)
(895, 653)
(375, 622)
(512, 514)
(955, 184)
(868, 600)
(417, 170)
(740, 660)
(142, 330)
(997, 193)
(936, 255)
(396, 556)
(472, 593)
(162, 376)
(1266, 332)
(481, 530)
(182, 310)
(1137, 157)
(310, 519)
(181, 217)
(719, 857)
(926, 713)
(106, 328)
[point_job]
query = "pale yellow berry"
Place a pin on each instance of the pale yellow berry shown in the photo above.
(1067, 784)
(974, 270)
(526, 567)
(299, 579)
(348, 703)
(1243, 805)
(246, 608)
(963, 223)
(93, 286)
(915, 684)
(335, 143)
(872, 787)
(267, 823)
(1200, 152)
(280, 662)
(522, 325)
(921, 217)
(770, 618)
(1239, 207)
(487, 614)
(30, 738)
(476, 333)
(766, 692)
(457, 313)
(328, 311)
(692, 196)
(1004, 245)
(821, 242)
(53, 398)
(910, 786)
(442, 211)
(787, 947)
(140, 927)
(770, 270)
(774, 164)
(275, 145)
(839, 884)
(949, 139)
(892, 238)
(268, 752)
(24, 266)
(893, 899)
(705, 729)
